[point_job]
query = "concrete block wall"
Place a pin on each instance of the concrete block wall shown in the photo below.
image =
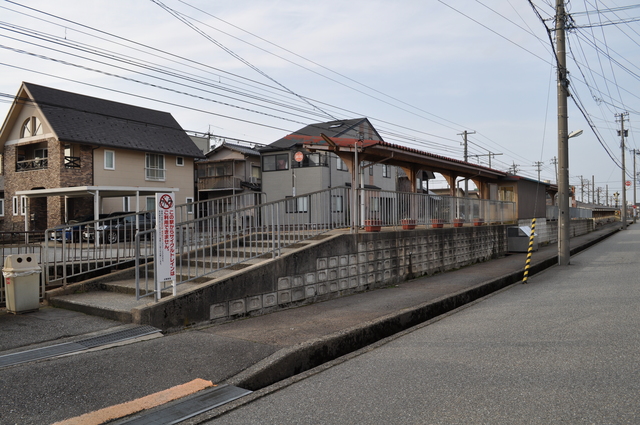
(547, 230)
(337, 267)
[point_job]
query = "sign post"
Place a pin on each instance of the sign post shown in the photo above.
(165, 261)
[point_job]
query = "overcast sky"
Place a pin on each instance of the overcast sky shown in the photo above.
(421, 71)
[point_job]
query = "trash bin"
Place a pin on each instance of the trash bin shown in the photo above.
(22, 283)
(518, 239)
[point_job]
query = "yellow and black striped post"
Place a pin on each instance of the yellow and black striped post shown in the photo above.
(529, 251)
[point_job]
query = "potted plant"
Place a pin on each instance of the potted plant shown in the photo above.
(478, 221)
(437, 223)
(372, 225)
(408, 224)
(458, 222)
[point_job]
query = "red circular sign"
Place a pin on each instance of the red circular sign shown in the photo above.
(627, 183)
(299, 156)
(166, 202)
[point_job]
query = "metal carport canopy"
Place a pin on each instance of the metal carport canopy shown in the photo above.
(95, 191)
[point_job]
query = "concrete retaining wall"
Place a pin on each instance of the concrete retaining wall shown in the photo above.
(339, 266)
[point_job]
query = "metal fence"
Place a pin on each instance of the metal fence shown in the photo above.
(552, 212)
(229, 232)
(389, 208)
(220, 241)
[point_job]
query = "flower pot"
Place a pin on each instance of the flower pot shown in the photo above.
(408, 224)
(458, 222)
(372, 225)
(437, 223)
(478, 222)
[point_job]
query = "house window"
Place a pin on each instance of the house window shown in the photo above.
(298, 205)
(154, 167)
(371, 169)
(16, 206)
(110, 161)
(126, 203)
(385, 171)
(336, 203)
(189, 205)
(180, 161)
(275, 162)
(31, 127)
(23, 205)
(1, 207)
(151, 203)
(340, 165)
(255, 174)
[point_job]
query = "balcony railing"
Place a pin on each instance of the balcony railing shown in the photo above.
(71, 162)
(32, 164)
(219, 182)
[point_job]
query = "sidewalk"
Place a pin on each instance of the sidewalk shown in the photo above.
(254, 352)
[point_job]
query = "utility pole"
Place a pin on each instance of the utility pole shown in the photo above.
(564, 217)
(554, 161)
(513, 169)
(593, 189)
(635, 178)
(490, 154)
(581, 189)
(538, 165)
(622, 133)
(606, 195)
(466, 159)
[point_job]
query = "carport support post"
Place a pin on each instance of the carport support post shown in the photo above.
(96, 215)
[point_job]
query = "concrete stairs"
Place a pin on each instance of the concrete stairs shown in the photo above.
(114, 296)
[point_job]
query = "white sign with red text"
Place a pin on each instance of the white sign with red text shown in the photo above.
(165, 240)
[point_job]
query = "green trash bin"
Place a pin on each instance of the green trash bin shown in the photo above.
(22, 283)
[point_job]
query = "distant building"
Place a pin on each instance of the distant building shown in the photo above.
(228, 169)
(288, 169)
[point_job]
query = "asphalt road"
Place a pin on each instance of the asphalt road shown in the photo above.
(564, 348)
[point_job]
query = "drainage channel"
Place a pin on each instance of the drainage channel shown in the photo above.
(72, 347)
(181, 411)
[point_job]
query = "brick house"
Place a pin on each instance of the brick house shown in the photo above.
(65, 154)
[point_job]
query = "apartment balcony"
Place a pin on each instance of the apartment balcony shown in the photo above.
(227, 183)
(32, 164)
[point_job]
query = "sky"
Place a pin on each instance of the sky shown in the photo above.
(423, 72)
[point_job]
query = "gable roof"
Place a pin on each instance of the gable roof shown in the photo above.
(89, 120)
(337, 129)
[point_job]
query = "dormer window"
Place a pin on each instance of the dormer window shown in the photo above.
(31, 127)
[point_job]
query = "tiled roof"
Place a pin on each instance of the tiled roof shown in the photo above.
(332, 129)
(89, 120)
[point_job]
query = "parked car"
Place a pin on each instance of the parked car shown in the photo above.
(73, 232)
(120, 226)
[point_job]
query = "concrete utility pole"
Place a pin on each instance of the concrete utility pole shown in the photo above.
(554, 161)
(593, 189)
(490, 154)
(538, 165)
(635, 178)
(564, 217)
(622, 133)
(466, 159)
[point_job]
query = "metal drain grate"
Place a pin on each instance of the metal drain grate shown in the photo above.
(183, 410)
(71, 347)
(118, 336)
